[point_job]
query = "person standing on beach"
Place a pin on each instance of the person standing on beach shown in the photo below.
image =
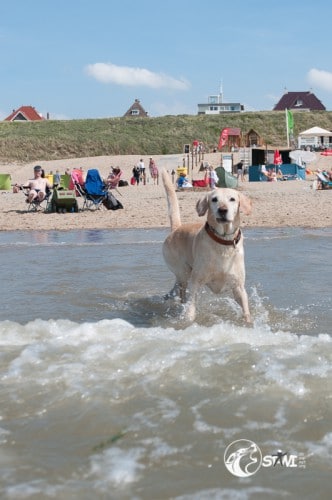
(151, 165)
(142, 171)
(154, 172)
(213, 177)
(239, 168)
(136, 174)
(57, 178)
(141, 166)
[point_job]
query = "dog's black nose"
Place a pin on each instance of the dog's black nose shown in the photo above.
(222, 211)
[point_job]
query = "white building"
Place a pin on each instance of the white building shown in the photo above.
(216, 106)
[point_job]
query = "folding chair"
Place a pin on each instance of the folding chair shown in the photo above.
(36, 205)
(323, 181)
(94, 192)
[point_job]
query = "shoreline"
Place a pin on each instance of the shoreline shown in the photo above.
(291, 203)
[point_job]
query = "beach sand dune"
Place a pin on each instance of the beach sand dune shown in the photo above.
(284, 203)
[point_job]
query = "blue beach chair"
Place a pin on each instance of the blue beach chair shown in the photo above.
(94, 192)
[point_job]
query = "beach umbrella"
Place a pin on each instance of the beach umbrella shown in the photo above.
(277, 160)
(301, 157)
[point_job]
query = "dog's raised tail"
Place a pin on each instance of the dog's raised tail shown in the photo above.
(172, 201)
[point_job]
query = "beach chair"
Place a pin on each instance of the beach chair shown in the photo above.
(94, 192)
(323, 181)
(76, 178)
(37, 205)
(114, 178)
(5, 182)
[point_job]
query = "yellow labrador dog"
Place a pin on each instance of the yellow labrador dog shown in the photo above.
(207, 254)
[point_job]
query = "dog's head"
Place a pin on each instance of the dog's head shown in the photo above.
(223, 206)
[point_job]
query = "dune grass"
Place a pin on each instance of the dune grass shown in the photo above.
(50, 139)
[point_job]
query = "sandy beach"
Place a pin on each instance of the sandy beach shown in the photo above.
(275, 204)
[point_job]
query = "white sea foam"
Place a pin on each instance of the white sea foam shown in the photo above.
(103, 390)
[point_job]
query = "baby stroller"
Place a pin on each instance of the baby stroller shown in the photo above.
(94, 192)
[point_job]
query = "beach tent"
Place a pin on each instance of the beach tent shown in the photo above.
(225, 179)
(314, 137)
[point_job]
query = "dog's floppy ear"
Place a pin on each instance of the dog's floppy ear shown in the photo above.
(245, 204)
(202, 205)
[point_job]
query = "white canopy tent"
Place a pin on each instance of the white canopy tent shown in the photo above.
(315, 137)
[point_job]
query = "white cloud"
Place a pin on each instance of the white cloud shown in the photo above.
(321, 79)
(132, 77)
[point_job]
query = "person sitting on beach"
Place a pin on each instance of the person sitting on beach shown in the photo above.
(183, 181)
(271, 176)
(327, 174)
(37, 186)
(280, 175)
(112, 180)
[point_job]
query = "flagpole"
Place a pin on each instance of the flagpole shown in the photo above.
(287, 129)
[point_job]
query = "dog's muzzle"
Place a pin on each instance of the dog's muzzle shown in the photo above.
(222, 215)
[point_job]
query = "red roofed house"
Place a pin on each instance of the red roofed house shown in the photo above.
(299, 101)
(24, 113)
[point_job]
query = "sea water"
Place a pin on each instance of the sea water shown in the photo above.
(105, 394)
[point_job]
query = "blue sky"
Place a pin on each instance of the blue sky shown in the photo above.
(91, 59)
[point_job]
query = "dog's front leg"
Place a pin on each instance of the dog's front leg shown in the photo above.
(189, 312)
(190, 307)
(241, 297)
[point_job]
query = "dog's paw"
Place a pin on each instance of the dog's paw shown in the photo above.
(189, 313)
(248, 320)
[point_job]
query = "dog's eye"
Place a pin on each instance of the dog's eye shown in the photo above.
(232, 199)
(214, 199)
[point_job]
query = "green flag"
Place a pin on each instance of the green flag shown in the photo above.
(290, 122)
